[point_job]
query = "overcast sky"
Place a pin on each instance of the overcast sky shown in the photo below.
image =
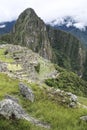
(46, 9)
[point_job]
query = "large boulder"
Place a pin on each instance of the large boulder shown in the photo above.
(10, 109)
(26, 92)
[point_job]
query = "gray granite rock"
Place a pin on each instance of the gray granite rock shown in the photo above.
(12, 98)
(73, 98)
(26, 92)
(10, 109)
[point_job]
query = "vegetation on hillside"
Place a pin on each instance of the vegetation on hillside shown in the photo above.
(80, 34)
(67, 49)
(68, 81)
(43, 108)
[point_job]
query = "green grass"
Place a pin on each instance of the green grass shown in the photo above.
(8, 85)
(60, 117)
(5, 58)
(82, 100)
(17, 125)
(68, 81)
(43, 108)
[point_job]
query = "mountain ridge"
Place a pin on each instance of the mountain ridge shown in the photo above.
(68, 24)
(53, 44)
(33, 32)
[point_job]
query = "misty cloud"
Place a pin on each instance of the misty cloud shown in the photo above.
(46, 9)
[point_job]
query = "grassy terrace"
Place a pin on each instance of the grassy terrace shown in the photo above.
(60, 117)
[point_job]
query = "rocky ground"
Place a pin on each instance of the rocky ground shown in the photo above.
(22, 63)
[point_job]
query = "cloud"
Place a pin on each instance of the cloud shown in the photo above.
(2, 26)
(46, 9)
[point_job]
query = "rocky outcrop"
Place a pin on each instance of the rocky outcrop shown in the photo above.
(12, 110)
(73, 100)
(11, 98)
(26, 92)
(22, 63)
(65, 98)
(30, 31)
(73, 97)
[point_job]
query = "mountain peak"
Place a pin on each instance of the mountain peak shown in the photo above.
(30, 31)
(29, 11)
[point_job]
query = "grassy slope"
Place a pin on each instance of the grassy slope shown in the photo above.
(60, 117)
(44, 108)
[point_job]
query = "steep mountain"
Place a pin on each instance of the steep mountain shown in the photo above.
(30, 31)
(53, 44)
(36, 94)
(68, 51)
(6, 27)
(68, 24)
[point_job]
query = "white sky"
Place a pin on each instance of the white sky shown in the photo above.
(46, 9)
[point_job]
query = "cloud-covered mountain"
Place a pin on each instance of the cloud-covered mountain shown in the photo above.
(71, 25)
(68, 21)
